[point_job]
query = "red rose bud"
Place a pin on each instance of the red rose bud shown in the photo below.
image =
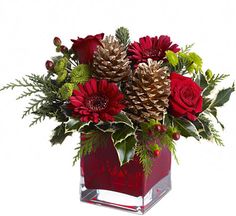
(176, 136)
(163, 129)
(57, 41)
(84, 48)
(49, 65)
(157, 127)
(156, 153)
(63, 49)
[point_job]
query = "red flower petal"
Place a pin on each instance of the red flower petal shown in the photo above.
(96, 100)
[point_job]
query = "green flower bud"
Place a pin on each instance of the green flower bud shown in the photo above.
(60, 65)
(61, 76)
(209, 74)
(80, 74)
(66, 90)
(122, 34)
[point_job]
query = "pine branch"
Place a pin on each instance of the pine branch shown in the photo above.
(28, 93)
(215, 136)
(90, 142)
(17, 83)
(143, 154)
(187, 48)
(34, 103)
(170, 144)
(37, 119)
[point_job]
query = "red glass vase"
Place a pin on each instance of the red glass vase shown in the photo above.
(105, 182)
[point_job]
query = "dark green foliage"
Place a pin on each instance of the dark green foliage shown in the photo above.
(222, 97)
(59, 134)
(44, 101)
(186, 128)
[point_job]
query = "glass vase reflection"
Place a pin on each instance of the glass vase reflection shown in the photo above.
(104, 182)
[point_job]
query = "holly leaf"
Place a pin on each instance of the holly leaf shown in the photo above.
(222, 97)
(75, 124)
(122, 118)
(206, 103)
(213, 111)
(205, 125)
(126, 149)
(105, 127)
(121, 134)
(59, 134)
(186, 128)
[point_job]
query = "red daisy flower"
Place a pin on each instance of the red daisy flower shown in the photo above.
(150, 47)
(96, 100)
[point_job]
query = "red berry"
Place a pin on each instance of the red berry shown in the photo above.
(57, 41)
(163, 129)
(63, 49)
(49, 65)
(176, 136)
(156, 153)
(157, 127)
(150, 133)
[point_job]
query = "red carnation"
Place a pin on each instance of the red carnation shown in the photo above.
(150, 47)
(185, 99)
(84, 48)
(96, 100)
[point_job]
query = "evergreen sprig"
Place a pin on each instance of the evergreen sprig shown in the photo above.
(122, 34)
(143, 153)
(43, 93)
(90, 141)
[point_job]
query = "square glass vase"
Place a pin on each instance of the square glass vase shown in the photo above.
(104, 182)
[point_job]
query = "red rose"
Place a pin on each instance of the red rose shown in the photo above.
(84, 47)
(185, 99)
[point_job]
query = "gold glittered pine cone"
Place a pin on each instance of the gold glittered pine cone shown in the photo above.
(148, 92)
(110, 61)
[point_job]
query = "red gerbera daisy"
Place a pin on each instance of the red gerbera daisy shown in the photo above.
(96, 100)
(150, 47)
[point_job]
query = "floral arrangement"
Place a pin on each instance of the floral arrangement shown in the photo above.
(144, 95)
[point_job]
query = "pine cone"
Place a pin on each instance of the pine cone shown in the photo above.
(110, 61)
(148, 92)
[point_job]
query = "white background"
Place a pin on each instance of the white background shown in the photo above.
(36, 179)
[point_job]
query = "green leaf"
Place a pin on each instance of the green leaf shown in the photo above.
(126, 149)
(213, 111)
(186, 128)
(206, 103)
(222, 97)
(105, 127)
(122, 118)
(205, 125)
(172, 57)
(59, 134)
(75, 124)
(121, 134)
